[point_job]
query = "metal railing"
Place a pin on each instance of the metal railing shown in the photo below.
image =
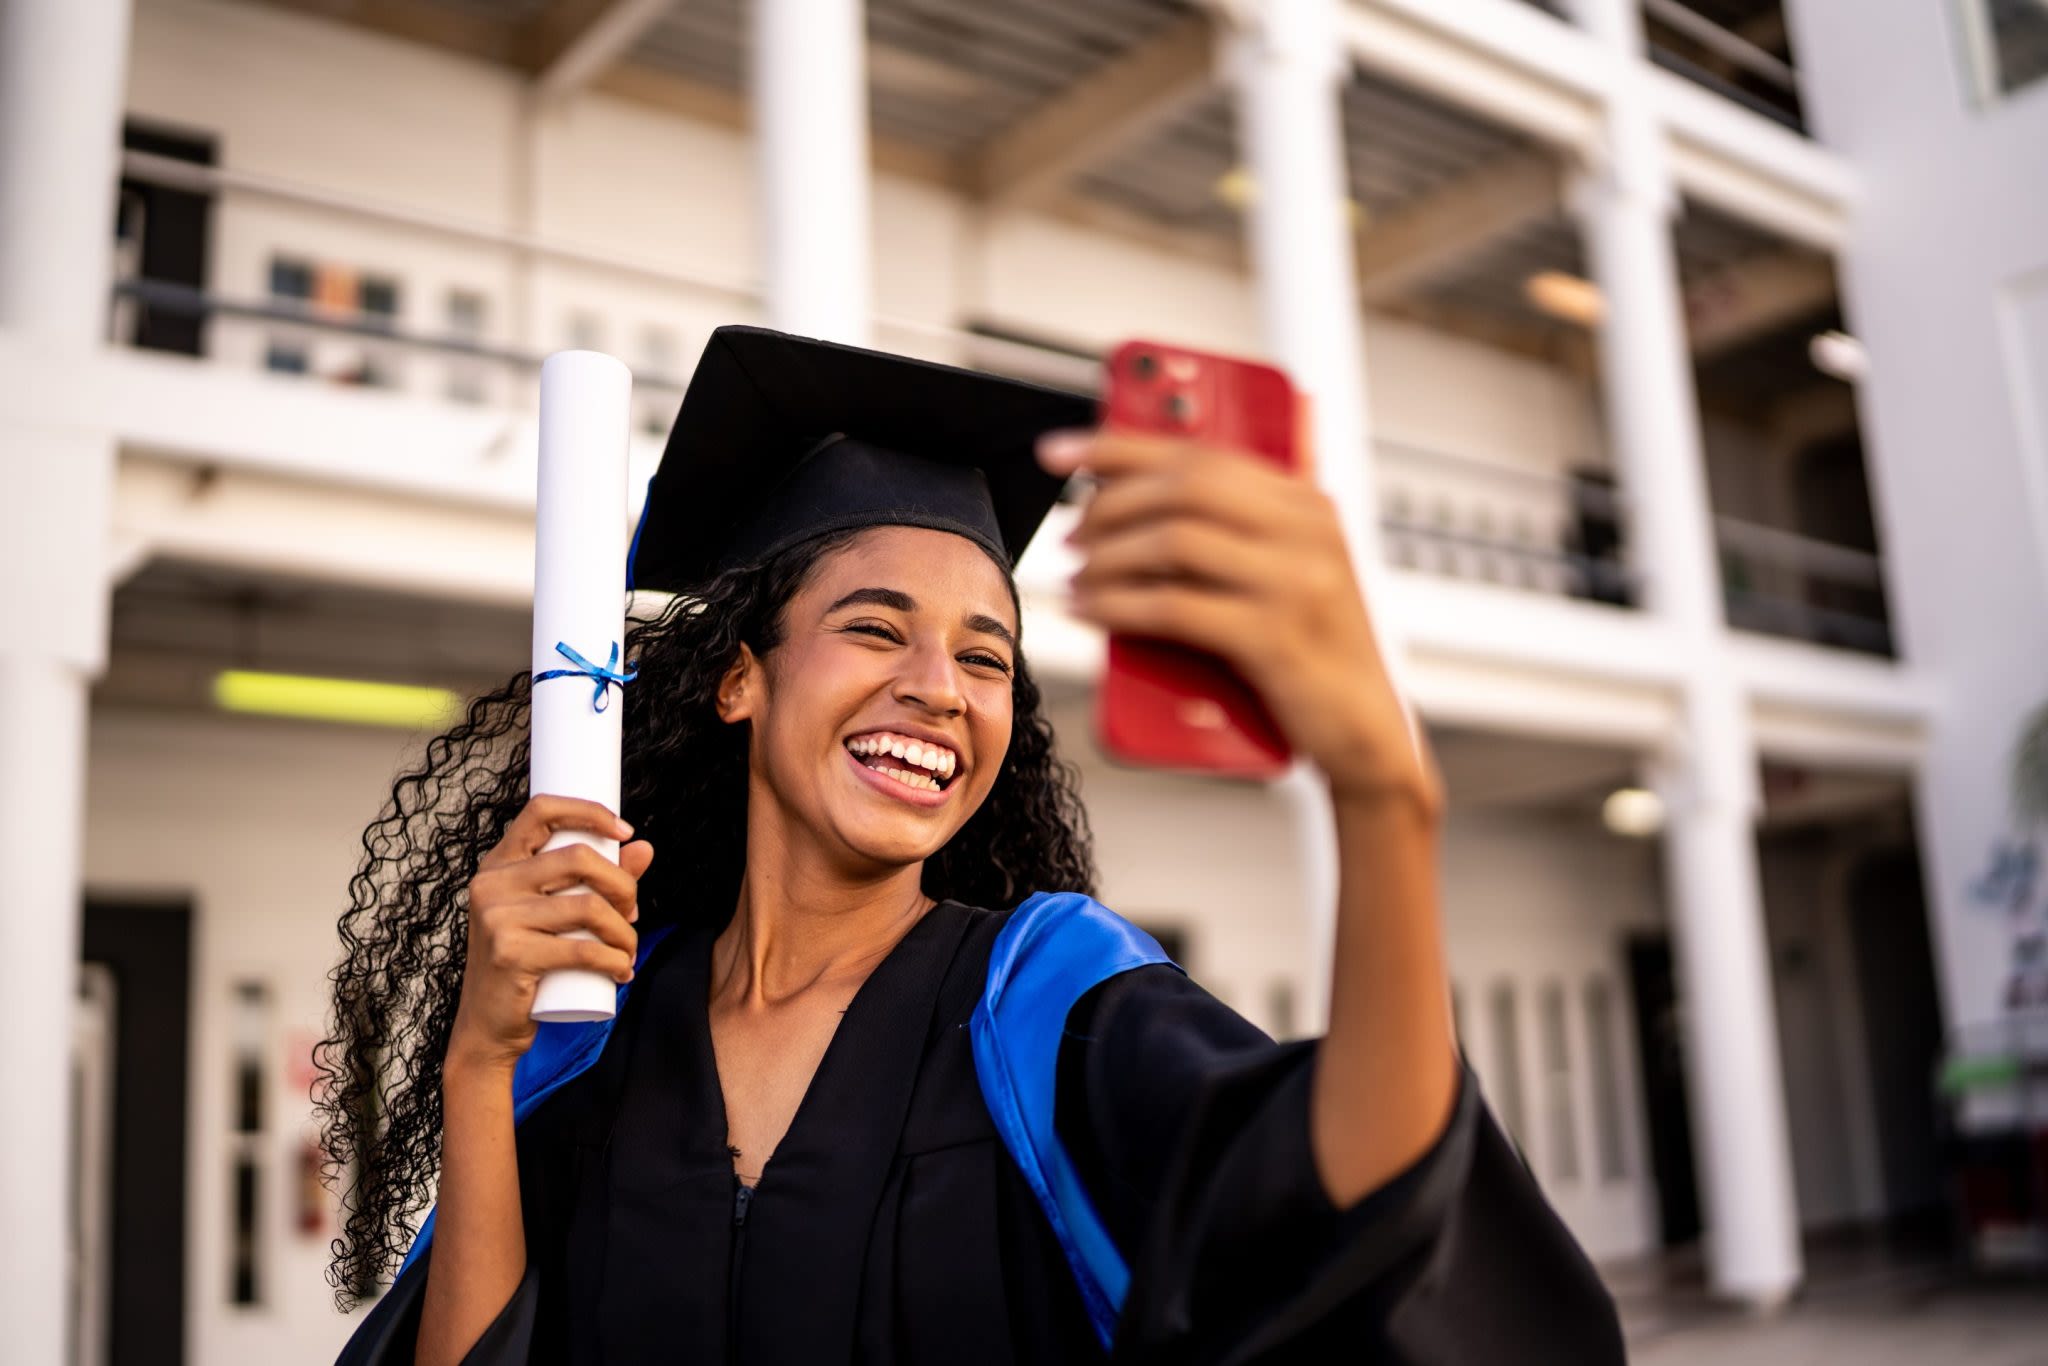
(1561, 533)
(1689, 44)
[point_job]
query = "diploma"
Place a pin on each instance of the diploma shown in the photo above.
(579, 619)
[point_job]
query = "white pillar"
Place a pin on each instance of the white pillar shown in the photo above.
(1709, 779)
(1288, 64)
(811, 158)
(62, 74)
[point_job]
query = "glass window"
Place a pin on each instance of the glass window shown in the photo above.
(1560, 1124)
(2005, 45)
(285, 357)
(251, 1034)
(377, 298)
(1606, 1081)
(1506, 1080)
(466, 313)
(290, 278)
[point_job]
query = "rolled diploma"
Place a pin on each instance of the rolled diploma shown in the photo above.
(579, 599)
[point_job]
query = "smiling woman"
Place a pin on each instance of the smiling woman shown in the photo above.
(886, 1084)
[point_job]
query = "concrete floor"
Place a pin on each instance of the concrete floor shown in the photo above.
(1954, 1326)
(1862, 1305)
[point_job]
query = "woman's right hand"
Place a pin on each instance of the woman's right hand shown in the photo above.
(516, 924)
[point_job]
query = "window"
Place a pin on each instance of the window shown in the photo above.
(290, 278)
(1560, 1124)
(286, 358)
(1507, 1060)
(585, 331)
(1607, 1142)
(467, 309)
(377, 300)
(2005, 45)
(251, 1033)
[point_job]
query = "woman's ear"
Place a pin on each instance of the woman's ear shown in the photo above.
(739, 690)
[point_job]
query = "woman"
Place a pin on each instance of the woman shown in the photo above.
(792, 1146)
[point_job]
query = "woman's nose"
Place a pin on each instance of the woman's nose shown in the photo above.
(931, 679)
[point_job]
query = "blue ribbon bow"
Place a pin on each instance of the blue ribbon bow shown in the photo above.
(606, 674)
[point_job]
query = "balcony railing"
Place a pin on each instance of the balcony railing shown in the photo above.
(1561, 533)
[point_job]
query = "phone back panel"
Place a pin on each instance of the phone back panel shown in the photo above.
(1161, 704)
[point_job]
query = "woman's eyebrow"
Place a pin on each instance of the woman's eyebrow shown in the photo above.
(896, 600)
(989, 626)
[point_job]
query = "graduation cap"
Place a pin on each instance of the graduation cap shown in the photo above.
(781, 439)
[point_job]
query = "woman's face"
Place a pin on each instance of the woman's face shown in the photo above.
(880, 720)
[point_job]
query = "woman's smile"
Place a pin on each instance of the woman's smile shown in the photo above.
(889, 777)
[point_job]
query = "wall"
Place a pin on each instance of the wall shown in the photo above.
(289, 95)
(256, 823)
(1941, 282)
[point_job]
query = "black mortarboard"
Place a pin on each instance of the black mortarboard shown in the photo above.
(783, 438)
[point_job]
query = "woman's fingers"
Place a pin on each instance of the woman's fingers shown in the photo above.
(573, 865)
(1179, 548)
(552, 952)
(542, 816)
(573, 911)
(1218, 623)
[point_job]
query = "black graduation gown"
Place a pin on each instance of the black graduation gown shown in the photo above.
(891, 1225)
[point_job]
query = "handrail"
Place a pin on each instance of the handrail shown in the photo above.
(1758, 62)
(173, 173)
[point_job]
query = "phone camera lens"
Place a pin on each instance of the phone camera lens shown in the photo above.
(1180, 408)
(1144, 365)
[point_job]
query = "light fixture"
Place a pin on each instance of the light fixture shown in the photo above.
(1633, 811)
(1238, 189)
(1565, 296)
(1837, 353)
(351, 701)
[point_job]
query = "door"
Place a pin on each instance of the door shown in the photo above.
(1660, 1042)
(134, 1287)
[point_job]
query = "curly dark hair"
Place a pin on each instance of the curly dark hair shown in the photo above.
(683, 785)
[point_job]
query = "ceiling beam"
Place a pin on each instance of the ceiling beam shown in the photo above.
(1754, 297)
(1096, 118)
(472, 35)
(572, 42)
(1426, 239)
(731, 109)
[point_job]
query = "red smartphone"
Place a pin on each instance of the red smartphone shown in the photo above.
(1161, 704)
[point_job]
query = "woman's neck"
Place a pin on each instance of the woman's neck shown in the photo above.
(800, 925)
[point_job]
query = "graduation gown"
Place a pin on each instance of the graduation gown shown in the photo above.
(893, 1226)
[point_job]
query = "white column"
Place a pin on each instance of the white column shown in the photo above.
(62, 66)
(1709, 778)
(811, 157)
(1288, 63)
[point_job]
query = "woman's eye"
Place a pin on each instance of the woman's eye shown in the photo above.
(869, 628)
(990, 660)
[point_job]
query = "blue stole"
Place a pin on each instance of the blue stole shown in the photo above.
(1055, 948)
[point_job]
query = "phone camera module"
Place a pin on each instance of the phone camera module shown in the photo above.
(1180, 408)
(1144, 365)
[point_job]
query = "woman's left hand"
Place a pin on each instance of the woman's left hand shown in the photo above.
(1225, 553)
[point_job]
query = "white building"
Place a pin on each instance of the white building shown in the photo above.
(1683, 369)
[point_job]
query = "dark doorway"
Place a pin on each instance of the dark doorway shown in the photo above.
(163, 236)
(147, 949)
(1901, 1022)
(1661, 1044)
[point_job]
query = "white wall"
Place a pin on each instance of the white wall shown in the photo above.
(321, 103)
(1943, 281)
(256, 822)
(1536, 901)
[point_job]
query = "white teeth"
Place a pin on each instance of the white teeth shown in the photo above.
(935, 761)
